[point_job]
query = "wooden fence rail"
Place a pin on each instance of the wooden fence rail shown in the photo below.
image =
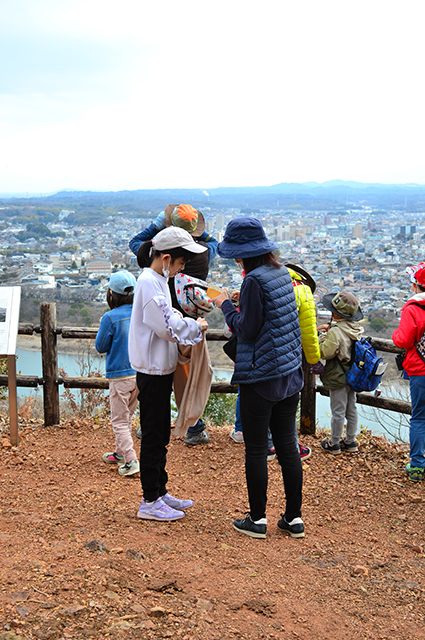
(51, 380)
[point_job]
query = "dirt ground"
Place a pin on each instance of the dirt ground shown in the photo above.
(77, 563)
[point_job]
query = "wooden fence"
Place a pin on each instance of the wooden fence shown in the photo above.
(51, 381)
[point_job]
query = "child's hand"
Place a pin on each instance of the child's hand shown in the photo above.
(323, 327)
(235, 296)
(203, 323)
(218, 300)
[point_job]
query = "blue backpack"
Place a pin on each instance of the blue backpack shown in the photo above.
(366, 368)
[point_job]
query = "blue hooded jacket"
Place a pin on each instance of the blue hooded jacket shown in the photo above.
(112, 339)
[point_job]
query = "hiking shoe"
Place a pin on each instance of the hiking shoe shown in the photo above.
(271, 454)
(349, 447)
(416, 474)
(112, 458)
(237, 436)
(129, 468)
(176, 503)
(305, 452)
(158, 510)
(334, 449)
(202, 437)
(139, 432)
(295, 528)
(250, 528)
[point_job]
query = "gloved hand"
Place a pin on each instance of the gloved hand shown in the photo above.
(159, 222)
(318, 368)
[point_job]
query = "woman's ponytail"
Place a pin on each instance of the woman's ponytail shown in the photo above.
(144, 257)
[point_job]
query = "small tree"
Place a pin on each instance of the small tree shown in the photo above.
(378, 324)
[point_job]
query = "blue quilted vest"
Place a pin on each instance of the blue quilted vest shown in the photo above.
(277, 349)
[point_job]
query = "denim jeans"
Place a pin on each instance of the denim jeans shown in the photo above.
(238, 423)
(417, 421)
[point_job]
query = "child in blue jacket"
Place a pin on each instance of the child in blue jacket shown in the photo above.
(112, 339)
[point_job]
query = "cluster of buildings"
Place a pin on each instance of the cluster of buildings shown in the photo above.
(361, 250)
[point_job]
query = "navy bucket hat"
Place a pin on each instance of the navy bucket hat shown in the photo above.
(245, 238)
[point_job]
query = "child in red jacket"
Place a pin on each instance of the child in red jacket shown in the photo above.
(410, 331)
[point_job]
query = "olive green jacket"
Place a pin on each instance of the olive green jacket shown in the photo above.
(337, 345)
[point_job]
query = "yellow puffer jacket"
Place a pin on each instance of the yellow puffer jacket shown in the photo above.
(307, 316)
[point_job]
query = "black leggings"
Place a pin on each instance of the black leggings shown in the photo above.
(257, 414)
(155, 421)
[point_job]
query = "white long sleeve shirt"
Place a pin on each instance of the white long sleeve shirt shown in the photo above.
(156, 328)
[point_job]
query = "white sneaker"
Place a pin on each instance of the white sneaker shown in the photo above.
(129, 468)
(237, 436)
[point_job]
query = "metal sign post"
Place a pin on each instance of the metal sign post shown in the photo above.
(10, 300)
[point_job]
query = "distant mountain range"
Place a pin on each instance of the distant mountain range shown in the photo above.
(332, 195)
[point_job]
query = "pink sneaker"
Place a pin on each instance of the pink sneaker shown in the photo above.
(158, 510)
(113, 458)
(237, 436)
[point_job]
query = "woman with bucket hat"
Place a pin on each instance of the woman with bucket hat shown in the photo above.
(407, 335)
(335, 348)
(267, 370)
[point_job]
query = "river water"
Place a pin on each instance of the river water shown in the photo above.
(29, 363)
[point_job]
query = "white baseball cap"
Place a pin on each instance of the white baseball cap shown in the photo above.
(174, 237)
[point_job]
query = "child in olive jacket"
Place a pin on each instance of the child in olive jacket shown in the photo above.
(335, 347)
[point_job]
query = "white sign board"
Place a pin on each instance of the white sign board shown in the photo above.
(10, 298)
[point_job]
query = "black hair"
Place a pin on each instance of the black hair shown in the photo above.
(144, 259)
(420, 287)
(115, 299)
(268, 259)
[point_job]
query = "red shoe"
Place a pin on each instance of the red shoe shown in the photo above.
(305, 452)
(271, 454)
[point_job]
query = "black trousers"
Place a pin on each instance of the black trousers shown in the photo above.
(155, 421)
(257, 414)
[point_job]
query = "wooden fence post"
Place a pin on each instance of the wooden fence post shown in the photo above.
(49, 356)
(308, 401)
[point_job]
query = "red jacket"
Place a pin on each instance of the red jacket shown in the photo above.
(410, 330)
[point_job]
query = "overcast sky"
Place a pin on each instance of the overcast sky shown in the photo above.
(142, 94)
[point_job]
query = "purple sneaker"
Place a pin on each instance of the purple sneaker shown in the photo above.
(158, 510)
(175, 503)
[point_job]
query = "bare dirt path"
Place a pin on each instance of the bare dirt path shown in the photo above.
(77, 563)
